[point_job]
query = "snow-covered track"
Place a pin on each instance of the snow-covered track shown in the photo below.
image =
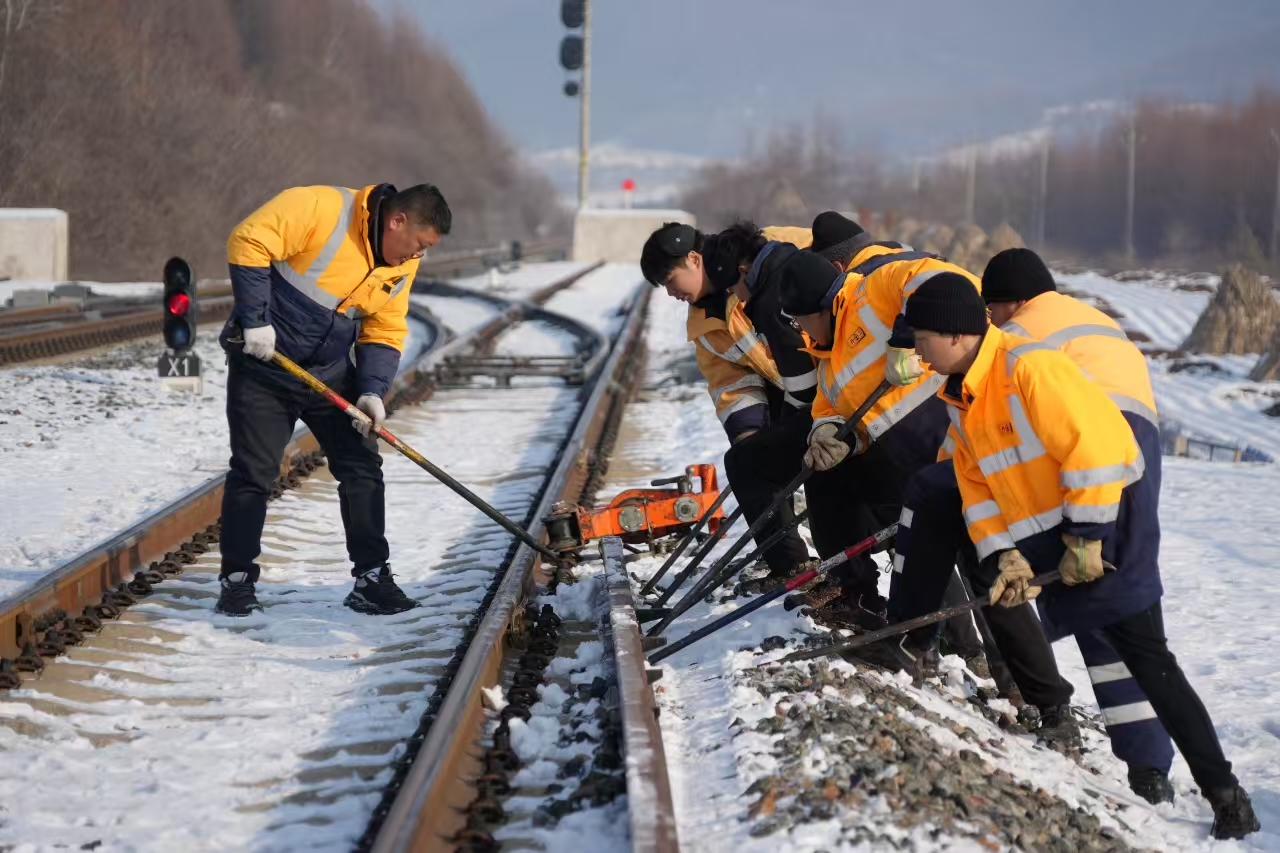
(56, 611)
(426, 808)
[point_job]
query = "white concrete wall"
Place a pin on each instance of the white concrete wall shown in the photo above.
(618, 235)
(33, 244)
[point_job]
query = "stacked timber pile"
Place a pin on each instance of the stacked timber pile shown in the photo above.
(1241, 318)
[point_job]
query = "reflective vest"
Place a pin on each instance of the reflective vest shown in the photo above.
(736, 364)
(735, 359)
(315, 242)
(1095, 342)
(866, 301)
(1039, 445)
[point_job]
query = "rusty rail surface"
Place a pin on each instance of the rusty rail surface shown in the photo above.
(653, 817)
(77, 333)
(66, 601)
(427, 811)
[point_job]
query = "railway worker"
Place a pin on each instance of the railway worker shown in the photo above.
(1022, 299)
(1052, 477)
(322, 275)
(852, 323)
(743, 378)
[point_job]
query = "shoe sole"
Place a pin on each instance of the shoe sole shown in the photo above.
(361, 604)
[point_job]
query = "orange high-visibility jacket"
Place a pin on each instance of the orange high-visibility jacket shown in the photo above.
(1039, 445)
(1095, 342)
(866, 302)
(734, 358)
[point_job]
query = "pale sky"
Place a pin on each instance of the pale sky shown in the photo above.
(697, 76)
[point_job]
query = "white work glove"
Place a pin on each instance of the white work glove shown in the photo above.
(260, 342)
(825, 450)
(902, 366)
(371, 405)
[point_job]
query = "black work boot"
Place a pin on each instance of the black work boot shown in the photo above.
(915, 652)
(376, 593)
(1150, 783)
(1233, 815)
(1058, 728)
(237, 597)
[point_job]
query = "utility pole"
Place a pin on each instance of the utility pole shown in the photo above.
(1131, 141)
(1043, 195)
(1275, 211)
(971, 185)
(584, 108)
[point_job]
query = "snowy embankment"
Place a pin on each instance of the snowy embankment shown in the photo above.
(1210, 395)
(808, 758)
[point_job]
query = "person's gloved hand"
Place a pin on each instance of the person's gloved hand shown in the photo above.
(1011, 588)
(1082, 561)
(260, 342)
(825, 450)
(902, 366)
(371, 405)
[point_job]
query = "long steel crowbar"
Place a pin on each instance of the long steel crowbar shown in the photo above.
(783, 495)
(420, 460)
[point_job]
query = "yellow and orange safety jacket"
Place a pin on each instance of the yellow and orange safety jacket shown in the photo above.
(866, 303)
(1039, 445)
(734, 358)
(306, 263)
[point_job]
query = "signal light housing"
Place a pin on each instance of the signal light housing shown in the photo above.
(181, 309)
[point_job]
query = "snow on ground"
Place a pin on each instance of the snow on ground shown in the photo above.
(520, 282)
(1221, 545)
(92, 444)
(460, 315)
(114, 288)
(181, 730)
(1217, 401)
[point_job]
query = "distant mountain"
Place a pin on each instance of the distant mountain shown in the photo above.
(658, 174)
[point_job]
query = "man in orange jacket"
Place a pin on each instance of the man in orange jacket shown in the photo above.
(1052, 478)
(321, 274)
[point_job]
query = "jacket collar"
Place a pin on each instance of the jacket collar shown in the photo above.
(369, 201)
(976, 376)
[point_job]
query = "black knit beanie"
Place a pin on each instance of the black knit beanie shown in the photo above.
(834, 235)
(807, 278)
(947, 303)
(1015, 275)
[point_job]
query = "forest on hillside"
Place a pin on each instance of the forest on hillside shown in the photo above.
(158, 125)
(1205, 183)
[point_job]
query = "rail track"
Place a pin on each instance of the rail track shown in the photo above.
(58, 329)
(474, 630)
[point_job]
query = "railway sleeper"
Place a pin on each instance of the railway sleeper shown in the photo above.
(52, 632)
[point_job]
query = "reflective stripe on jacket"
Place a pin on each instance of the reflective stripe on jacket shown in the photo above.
(305, 263)
(736, 364)
(1038, 446)
(866, 302)
(1096, 343)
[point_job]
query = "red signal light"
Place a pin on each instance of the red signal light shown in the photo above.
(179, 304)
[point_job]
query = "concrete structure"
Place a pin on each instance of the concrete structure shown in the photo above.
(33, 244)
(619, 235)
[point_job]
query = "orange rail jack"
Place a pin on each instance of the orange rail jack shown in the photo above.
(638, 515)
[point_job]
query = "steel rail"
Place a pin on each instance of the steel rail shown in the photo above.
(94, 575)
(427, 810)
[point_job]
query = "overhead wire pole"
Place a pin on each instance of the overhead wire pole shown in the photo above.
(971, 185)
(1275, 211)
(584, 108)
(1043, 195)
(1131, 142)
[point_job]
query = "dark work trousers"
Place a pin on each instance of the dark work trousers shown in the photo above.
(758, 467)
(932, 541)
(1141, 644)
(848, 503)
(262, 413)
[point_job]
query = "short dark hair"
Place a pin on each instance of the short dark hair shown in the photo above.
(739, 244)
(666, 249)
(425, 205)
